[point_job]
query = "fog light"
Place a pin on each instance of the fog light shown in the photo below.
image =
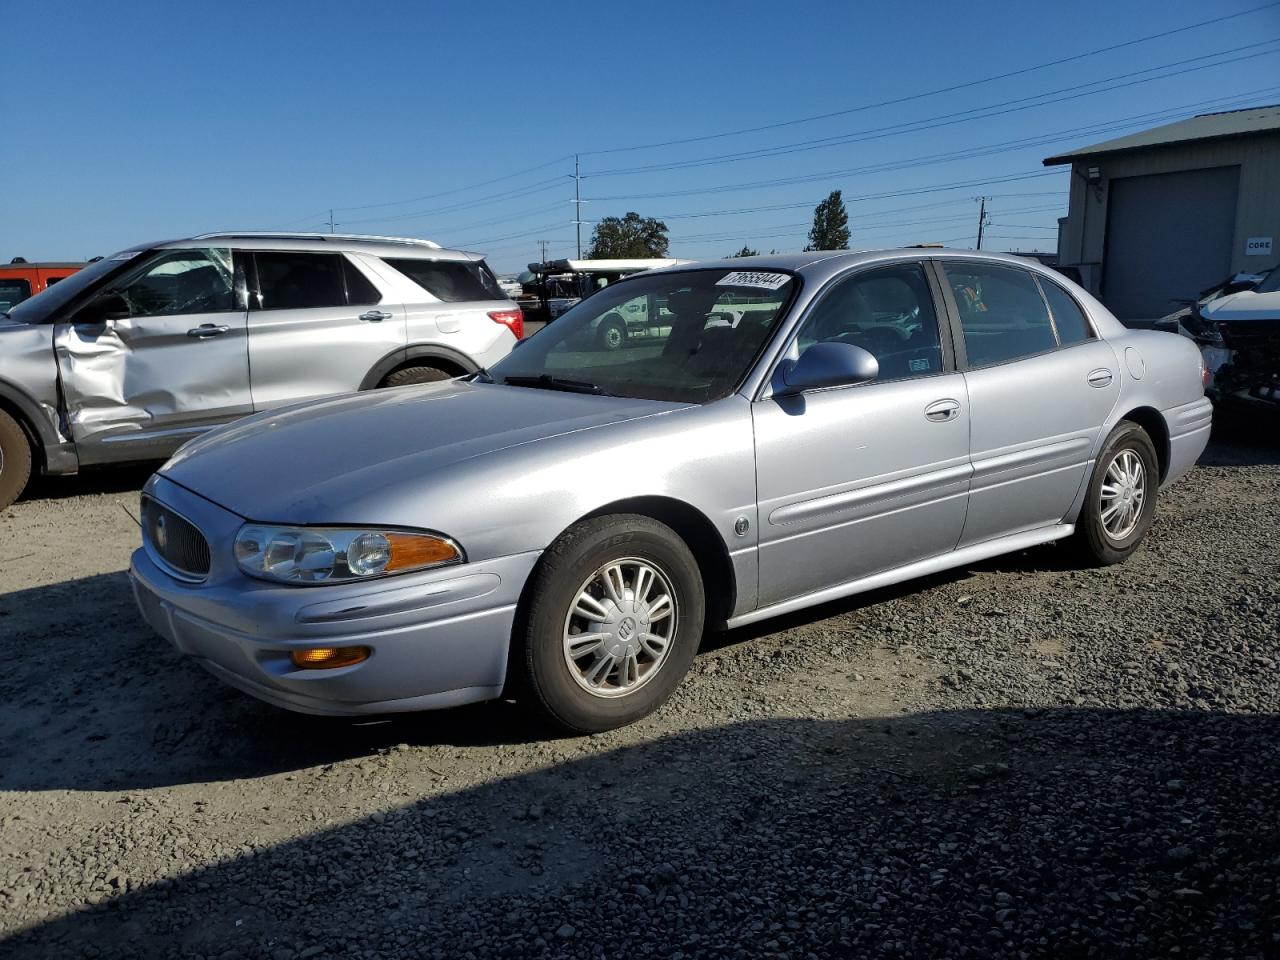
(326, 658)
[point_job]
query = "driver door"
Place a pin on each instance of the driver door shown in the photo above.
(170, 362)
(858, 479)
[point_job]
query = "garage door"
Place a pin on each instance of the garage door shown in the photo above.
(1168, 237)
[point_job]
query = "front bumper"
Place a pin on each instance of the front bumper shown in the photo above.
(438, 639)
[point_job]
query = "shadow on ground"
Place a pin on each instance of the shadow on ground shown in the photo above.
(1048, 833)
(96, 480)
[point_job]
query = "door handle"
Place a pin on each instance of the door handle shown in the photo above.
(374, 316)
(1100, 377)
(207, 330)
(940, 411)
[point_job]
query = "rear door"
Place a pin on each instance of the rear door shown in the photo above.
(859, 479)
(318, 323)
(1040, 386)
(137, 386)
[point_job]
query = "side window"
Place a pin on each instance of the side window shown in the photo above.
(888, 312)
(1070, 320)
(360, 289)
(1001, 312)
(453, 281)
(181, 281)
(292, 281)
(51, 281)
(13, 290)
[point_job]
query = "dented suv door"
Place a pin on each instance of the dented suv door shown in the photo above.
(170, 362)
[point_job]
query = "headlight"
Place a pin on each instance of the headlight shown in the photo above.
(338, 554)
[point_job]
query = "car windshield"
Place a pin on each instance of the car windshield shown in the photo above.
(43, 305)
(688, 336)
(1270, 283)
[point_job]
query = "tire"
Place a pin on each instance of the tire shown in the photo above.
(1100, 541)
(612, 333)
(408, 375)
(15, 460)
(557, 673)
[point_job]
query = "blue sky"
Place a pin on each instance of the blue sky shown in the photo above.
(149, 120)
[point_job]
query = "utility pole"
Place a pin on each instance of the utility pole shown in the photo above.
(331, 223)
(577, 203)
(543, 245)
(982, 217)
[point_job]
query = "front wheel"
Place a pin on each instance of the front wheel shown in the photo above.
(1121, 499)
(615, 614)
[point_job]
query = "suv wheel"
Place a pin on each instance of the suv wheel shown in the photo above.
(422, 374)
(1121, 500)
(614, 618)
(15, 460)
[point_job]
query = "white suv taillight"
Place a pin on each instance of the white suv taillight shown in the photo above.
(513, 320)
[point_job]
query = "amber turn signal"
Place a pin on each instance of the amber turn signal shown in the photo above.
(409, 550)
(326, 658)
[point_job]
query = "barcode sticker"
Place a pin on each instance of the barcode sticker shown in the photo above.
(751, 278)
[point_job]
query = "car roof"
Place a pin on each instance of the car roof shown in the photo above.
(827, 261)
(405, 247)
(46, 265)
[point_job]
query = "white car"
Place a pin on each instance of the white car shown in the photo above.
(1240, 337)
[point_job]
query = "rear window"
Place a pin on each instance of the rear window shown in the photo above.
(13, 290)
(453, 281)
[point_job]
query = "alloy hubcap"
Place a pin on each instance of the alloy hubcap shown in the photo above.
(1124, 488)
(620, 627)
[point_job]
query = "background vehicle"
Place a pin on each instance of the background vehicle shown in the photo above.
(890, 415)
(556, 285)
(20, 280)
(139, 352)
(1240, 334)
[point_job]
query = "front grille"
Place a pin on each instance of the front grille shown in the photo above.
(175, 541)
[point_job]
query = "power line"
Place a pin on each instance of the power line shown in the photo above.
(940, 90)
(951, 118)
(967, 153)
(456, 190)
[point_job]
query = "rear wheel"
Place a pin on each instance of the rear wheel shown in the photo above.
(418, 374)
(15, 460)
(614, 618)
(1121, 499)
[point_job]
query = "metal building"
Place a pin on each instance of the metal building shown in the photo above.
(1160, 215)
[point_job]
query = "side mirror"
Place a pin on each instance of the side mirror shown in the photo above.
(103, 309)
(827, 364)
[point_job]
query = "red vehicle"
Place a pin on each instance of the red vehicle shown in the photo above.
(20, 280)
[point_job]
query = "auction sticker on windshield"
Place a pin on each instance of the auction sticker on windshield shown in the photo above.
(751, 278)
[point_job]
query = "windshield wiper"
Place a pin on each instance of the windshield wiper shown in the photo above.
(547, 382)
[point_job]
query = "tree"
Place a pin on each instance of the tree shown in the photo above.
(616, 238)
(745, 252)
(830, 229)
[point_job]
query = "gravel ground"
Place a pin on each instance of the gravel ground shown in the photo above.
(1018, 759)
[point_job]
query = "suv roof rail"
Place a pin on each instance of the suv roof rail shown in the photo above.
(282, 235)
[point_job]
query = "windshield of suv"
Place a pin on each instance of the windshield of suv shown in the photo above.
(43, 305)
(688, 336)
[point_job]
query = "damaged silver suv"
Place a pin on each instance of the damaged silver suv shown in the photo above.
(141, 351)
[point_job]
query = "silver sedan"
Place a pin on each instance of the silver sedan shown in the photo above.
(565, 527)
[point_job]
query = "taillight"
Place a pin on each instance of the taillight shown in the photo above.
(513, 320)
(1205, 374)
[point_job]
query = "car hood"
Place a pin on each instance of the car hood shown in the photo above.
(302, 461)
(1245, 305)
